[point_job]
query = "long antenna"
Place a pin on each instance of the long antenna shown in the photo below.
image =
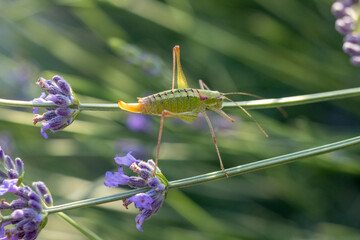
(249, 115)
(283, 112)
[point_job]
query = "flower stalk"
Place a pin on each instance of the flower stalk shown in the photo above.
(238, 170)
(253, 104)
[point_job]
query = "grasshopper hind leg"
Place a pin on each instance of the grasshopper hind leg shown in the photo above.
(186, 116)
(214, 139)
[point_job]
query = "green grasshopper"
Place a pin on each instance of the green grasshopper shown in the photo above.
(184, 103)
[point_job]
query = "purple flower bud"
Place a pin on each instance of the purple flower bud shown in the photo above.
(2, 156)
(30, 226)
(59, 100)
(136, 182)
(39, 218)
(23, 193)
(338, 9)
(35, 197)
(353, 38)
(147, 166)
(31, 235)
(56, 78)
(19, 166)
(29, 213)
(352, 49)
(355, 60)
(145, 174)
(40, 187)
(154, 182)
(160, 188)
(19, 226)
(126, 161)
(9, 163)
(345, 25)
(4, 205)
(64, 86)
(64, 112)
(48, 199)
(17, 214)
(151, 163)
(54, 90)
(19, 204)
(53, 123)
(35, 205)
(12, 174)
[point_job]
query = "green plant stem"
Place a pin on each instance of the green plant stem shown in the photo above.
(254, 104)
(89, 234)
(246, 168)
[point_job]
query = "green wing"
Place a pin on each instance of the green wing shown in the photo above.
(181, 79)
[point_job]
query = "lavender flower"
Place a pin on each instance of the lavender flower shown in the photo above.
(10, 169)
(61, 94)
(347, 13)
(148, 203)
(28, 216)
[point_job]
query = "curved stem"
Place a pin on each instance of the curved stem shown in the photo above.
(84, 230)
(246, 168)
(254, 104)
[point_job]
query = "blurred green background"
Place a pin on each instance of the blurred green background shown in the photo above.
(122, 49)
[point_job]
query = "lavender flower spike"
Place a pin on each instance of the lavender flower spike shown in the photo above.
(348, 13)
(28, 216)
(148, 203)
(61, 94)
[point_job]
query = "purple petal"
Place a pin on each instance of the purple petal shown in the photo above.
(43, 133)
(2, 231)
(116, 179)
(7, 185)
(141, 200)
(126, 160)
(139, 219)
